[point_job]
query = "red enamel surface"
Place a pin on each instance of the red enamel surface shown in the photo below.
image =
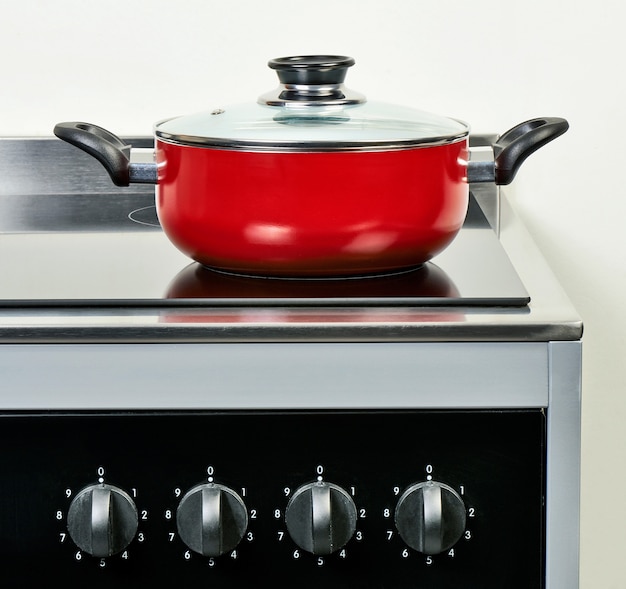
(311, 214)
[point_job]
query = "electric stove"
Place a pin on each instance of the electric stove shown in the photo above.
(165, 422)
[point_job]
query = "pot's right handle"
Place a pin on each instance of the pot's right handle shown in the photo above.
(111, 151)
(514, 146)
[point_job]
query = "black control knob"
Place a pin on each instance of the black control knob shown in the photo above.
(102, 520)
(430, 517)
(321, 517)
(211, 519)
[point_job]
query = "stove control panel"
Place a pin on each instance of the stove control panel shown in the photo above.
(383, 501)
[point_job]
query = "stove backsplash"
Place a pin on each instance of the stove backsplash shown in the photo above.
(47, 185)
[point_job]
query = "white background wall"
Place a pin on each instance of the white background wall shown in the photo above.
(125, 64)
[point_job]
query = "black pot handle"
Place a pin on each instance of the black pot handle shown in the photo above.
(514, 146)
(107, 148)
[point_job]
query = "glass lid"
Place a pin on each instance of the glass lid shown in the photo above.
(312, 110)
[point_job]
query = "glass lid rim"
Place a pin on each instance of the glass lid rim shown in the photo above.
(309, 145)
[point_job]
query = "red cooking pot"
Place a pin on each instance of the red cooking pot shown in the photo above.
(312, 180)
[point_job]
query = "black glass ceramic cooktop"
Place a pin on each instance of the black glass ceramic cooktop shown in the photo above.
(113, 253)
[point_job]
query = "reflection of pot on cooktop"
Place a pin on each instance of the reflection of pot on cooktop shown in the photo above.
(426, 283)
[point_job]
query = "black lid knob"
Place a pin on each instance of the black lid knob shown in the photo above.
(312, 70)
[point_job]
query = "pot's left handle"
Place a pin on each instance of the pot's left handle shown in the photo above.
(111, 151)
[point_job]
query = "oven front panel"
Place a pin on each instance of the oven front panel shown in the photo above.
(229, 499)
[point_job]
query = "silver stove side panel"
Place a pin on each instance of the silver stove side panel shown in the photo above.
(563, 466)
